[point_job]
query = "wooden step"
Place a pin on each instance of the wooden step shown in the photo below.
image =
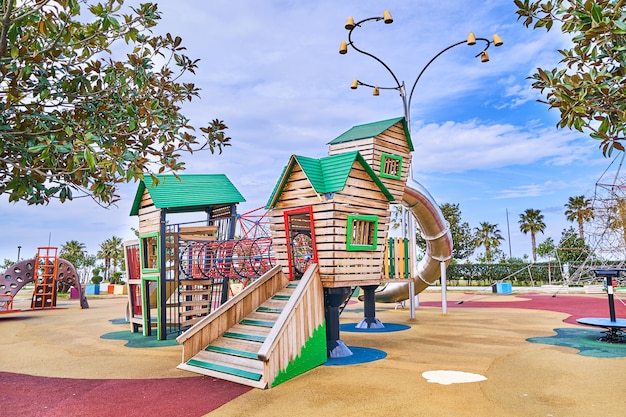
(260, 315)
(269, 310)
(226, 369)
(244, 336)
(232, 352)
(227, 377)
(281, 297)
(238, 365)
(236, 344)
(255, 322)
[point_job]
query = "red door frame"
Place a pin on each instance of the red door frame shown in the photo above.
(302, 210)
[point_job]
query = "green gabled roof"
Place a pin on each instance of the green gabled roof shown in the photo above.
(370, 130)
(192, 190)
(326, 175)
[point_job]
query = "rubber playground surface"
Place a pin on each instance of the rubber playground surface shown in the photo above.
(490, 355)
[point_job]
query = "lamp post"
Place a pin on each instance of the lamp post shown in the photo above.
(19, 248)
(406, 106)
(399, 85)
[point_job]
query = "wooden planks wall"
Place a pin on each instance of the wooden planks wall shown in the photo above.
(392, 141)
(338, 267)
(149, 216)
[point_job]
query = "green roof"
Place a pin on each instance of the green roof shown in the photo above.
(326, 175)
(189, 192)
(370, 130)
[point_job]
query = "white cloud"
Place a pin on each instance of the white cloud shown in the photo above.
(457, 147)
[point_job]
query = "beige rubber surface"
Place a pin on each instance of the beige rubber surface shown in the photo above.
(523, 379)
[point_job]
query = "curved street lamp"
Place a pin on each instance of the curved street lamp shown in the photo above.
(400, 87)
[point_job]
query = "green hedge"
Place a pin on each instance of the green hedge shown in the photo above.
(517, 274)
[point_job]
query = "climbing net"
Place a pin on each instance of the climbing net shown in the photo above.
(605, 234)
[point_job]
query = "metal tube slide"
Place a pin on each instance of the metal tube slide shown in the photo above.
(435, 230)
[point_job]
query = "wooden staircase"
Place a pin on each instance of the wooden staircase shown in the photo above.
(262, 331)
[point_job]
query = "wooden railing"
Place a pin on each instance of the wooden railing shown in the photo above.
(302, 315)
(201, 334)
(398, 260)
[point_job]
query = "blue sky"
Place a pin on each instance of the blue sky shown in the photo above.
(271, 70)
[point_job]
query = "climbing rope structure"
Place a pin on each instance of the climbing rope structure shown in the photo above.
(605, 233)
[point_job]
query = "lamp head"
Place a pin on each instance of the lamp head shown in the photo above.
(350, 23)
(471, 39)
(376, 92)
(387, 17)
(355, 84)
(497, 41)
(484, 56)
(343, 48)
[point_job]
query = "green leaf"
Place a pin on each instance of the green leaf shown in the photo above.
(89, 158)
(596, 13)
(37, 148)
(604, 126)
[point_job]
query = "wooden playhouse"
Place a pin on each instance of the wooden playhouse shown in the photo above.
(157, 281)
(339, 206)
(329, 221)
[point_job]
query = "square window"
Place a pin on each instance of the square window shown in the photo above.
(150, 256)
(362, 233)
(391, 166)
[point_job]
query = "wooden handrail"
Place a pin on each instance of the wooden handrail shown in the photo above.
(274, 335)
(228, 305)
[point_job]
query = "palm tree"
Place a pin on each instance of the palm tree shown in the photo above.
(531, 221)
(579, 209)
(112, 253)
(74, 252)
(489, 236)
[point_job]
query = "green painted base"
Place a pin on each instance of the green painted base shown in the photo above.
(313, 355)
(138, 340)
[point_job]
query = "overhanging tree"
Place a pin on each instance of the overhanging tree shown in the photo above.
(588, 84)
(91, 98)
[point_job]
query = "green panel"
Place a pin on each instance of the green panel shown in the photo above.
(232, 352)
(406, 258)
(244, 336)
(191, 190)
(313, 170)
(313, 354)
(260, 323)
(281, 297)
(269, 310)
(225, 369)
(370, 130)
(392, 258)
(336, 169)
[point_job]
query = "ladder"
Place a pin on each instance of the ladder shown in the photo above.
(46, 263)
